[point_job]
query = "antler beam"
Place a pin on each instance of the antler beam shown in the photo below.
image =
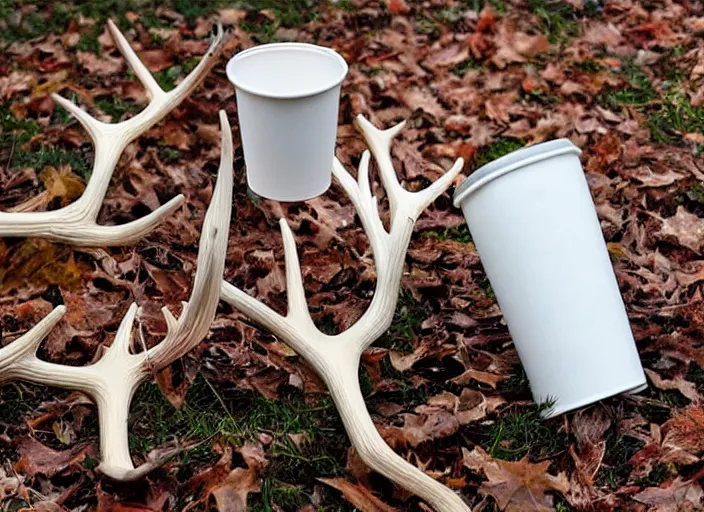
(113, 380)
(336, 358)
(77, 223)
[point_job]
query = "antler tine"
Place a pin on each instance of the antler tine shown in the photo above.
(336, 358)
(76, 223)
(113, 379)
(28, 342)
(139, 69)
(199, 313)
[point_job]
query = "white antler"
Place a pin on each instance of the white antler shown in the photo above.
(76, 223)
(113, 380)
(336, 358)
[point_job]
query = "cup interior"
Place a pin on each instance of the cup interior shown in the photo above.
(287, 70)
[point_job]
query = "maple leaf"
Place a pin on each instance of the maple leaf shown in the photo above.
(359, 496)
(516, 486)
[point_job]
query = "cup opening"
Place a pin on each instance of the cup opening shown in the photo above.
(287, 70)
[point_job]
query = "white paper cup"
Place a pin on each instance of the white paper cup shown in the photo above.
(287, 101)
(534, 224)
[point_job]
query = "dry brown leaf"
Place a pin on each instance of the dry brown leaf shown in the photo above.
(359, 496)
(36, 458)
(105, 65)
(686, 430)
(516, 486)
(435, 423)
(686, 227)
(677, 496)
(230, 487)
(688, 389)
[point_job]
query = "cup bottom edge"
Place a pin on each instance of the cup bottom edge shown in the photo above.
(298, 199)
(637, 387)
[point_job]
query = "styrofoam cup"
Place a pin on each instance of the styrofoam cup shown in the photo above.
(287, 101)
(533, 221)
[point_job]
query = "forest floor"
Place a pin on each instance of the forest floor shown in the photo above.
(623, 79)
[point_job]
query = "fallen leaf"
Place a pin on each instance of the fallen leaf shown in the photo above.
(230, 487)
(516, 486)
(36, 458)
(676, 496)
(359, 496)
(105, 65)
(686, 227)
(686, 430)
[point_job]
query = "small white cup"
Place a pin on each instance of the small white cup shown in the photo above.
(287, 101)
(539, 239)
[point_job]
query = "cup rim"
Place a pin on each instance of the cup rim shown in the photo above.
(511, 162)
(303, 47)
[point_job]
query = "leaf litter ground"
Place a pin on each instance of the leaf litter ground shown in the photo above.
(621, 78)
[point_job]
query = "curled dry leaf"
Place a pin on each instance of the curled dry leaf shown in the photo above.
(687, 388)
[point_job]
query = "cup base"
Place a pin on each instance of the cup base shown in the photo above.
(288, 199)
(636, 387)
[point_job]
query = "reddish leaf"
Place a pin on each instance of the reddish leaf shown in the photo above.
(359, 496)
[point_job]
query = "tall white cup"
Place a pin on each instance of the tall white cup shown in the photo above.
(287, 101)
(533, 221)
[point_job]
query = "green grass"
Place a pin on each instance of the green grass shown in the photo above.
(669, 117)
(675, 117)
(237, 416)
(459, 234)
(477, 5)
(166, 78)
(523, 432)
(263, 32)
(461, 68)
(695, 373)
(503, 146)
(615, 467)
(54, 17)
(289, 13)
(428, 27)
(405, 327)
(117, 108)
(169, 155)
(657, 475)
(54, 157)
(19, 131)
(638, 93)
(18, 402)
(558, 19)
(89, 41)
(695, 193)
